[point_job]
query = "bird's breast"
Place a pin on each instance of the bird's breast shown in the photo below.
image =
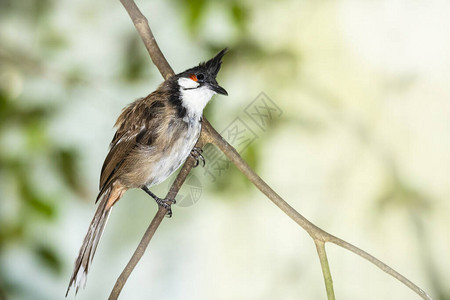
(183, 139)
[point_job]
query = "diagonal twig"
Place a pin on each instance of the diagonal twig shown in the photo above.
(210, 135)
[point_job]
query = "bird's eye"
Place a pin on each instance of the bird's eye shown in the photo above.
(200, 76)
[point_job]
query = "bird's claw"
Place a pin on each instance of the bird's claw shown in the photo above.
(196, 153)
(167, 204)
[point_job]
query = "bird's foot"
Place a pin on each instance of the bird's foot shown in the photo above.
(166, 203)
(196, 153)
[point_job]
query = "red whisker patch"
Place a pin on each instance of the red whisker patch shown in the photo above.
(193, 77)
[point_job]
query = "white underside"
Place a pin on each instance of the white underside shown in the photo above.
(178, 154)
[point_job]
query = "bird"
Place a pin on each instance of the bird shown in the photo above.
(155, 135)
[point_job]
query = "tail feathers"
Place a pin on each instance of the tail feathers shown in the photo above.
(90, 243)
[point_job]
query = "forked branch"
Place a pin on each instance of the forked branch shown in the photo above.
(210, 135)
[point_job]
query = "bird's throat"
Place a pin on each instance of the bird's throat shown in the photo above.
(195, 100)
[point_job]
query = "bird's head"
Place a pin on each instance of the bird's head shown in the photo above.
(197, 85)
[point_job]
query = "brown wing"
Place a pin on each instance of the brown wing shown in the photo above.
(136, 126)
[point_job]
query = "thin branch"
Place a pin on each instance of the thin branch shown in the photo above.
(315, 232)
(146, 34)
(320, 246)
(138, 253)
(210, 135)
(346, 245)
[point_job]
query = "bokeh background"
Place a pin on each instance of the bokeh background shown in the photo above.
(362, 147)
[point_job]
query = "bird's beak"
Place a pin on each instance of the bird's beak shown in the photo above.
(218, 89)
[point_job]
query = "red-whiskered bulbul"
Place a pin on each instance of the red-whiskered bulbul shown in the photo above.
(155, 135)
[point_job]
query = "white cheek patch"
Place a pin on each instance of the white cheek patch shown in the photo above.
(195, 100)
(187, 83)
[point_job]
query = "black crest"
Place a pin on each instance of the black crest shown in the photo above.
(210, 67)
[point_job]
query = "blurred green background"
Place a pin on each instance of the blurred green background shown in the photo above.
(362, 147)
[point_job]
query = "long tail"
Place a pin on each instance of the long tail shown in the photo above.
(90, 242)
